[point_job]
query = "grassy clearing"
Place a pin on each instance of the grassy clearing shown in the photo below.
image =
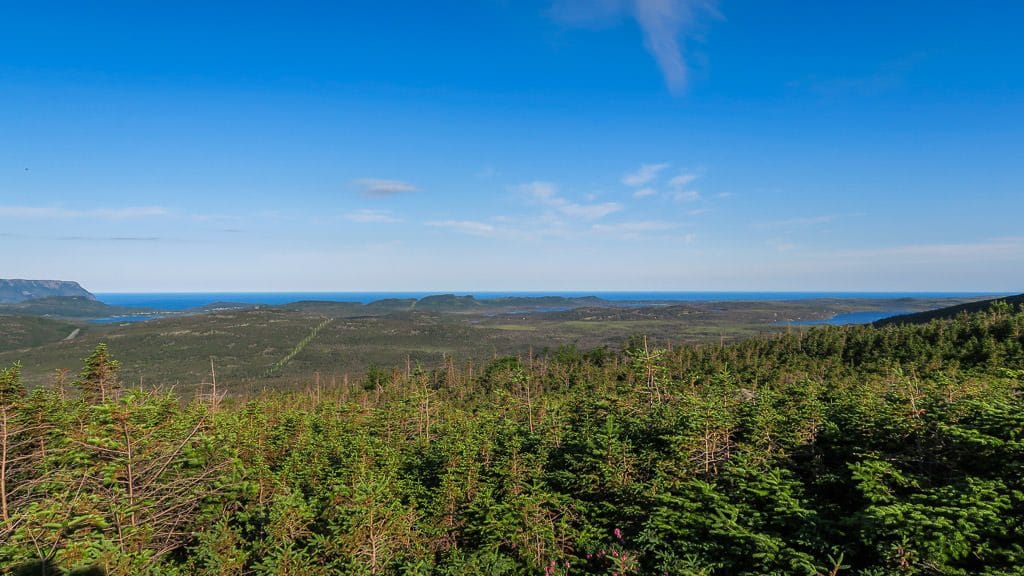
(28, 331)
(514, 327)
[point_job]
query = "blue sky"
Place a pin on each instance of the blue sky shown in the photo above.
(513, 145)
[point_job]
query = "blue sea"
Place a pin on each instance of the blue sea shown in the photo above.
(177, 301)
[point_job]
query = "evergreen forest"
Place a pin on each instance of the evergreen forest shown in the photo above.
(831, 450)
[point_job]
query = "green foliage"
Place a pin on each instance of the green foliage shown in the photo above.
(895, 450)
(98, 378)
(11, 389)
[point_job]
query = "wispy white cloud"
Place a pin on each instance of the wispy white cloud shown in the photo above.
(379, 187)
(592, 211)
(270, 214)
(543, 191)
(679, 187)
(685, 195)
(546, 194)
(57, 212)
(782, 245)
(799, 222)
(371, 217)
(510, 227)
(682, 180)
(467, 226)
(643, 175)
(663, 23)
(636, 230)
(127, 213)
(995, 248)
(114, 238)
(889, 76)
(215, 217)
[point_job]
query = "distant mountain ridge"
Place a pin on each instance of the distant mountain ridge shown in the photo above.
(13, 291)
(451, 303)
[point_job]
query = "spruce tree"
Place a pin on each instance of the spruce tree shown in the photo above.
(98, 378)
(11, 392)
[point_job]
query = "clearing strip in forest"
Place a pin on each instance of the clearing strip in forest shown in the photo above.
(280, 364)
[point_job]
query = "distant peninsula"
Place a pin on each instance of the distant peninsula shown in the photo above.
(14, 291)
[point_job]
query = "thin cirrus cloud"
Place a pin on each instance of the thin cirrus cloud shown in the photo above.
(663, 23)
(799, 222)
(113, 238)
(590, 211)
(547, 194)
(679, 187)
(685, 195)
(466, 226)
(1010, 248)
(371, 217)
(782, 245)
(379, 187)
(643, 175)
(59, 213)
(635, 228)
(682, 180)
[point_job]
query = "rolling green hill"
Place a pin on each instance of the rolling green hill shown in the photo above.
(66, 307)
(20, 332)
(949, 311)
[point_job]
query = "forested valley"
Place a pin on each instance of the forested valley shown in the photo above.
(832, 450)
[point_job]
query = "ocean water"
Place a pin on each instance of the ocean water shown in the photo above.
(175, 301)
(126, 319)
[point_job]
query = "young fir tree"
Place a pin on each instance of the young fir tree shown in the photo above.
(11, 432)
(98, 378)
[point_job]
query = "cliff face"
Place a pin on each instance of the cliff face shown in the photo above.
(14, 291)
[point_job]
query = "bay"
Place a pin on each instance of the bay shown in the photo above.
(176, 301)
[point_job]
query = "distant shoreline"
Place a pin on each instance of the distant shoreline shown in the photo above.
(173, 301)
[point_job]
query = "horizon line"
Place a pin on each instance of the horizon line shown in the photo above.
(563, 291)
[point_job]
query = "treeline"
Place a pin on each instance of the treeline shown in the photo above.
(840, 450)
